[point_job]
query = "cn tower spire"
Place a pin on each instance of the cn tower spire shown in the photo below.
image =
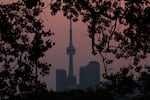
(71, 51)
(71, 44)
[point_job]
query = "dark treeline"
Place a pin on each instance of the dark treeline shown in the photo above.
(127, 84)
(23, 42)
(68, 95)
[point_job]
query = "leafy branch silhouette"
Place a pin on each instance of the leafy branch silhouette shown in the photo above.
(23, 41)
(119, 27)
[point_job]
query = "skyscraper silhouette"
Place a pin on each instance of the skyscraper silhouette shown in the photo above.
(71, 51)
(61, 80)
(90, 75)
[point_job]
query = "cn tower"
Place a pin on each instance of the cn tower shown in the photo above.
(71, 51)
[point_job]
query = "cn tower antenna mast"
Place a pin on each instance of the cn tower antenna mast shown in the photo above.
(71, 51)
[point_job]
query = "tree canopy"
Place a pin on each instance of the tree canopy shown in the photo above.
(120, 27)
(23, 41)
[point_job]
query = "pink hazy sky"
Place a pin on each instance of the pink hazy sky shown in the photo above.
(57, 55)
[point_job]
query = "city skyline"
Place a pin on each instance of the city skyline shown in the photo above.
(57, 55)
(74, 50)
(88, 77)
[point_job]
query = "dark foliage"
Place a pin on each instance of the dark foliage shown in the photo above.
(130, 82)
(118, 27)
(122, 85)
(23, 41)
(114, 26)
(68, 95)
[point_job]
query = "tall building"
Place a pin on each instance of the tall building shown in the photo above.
(71, 51)
(89, 75)
(64, 82)
(83, 78)
(61, 80)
